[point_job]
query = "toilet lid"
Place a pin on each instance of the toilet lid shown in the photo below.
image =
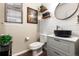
(36, 44)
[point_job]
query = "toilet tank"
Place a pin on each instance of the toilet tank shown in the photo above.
(43, 38)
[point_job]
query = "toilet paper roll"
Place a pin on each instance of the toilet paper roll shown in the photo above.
(27, 38)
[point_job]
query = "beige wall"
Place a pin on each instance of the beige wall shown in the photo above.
(1, 18)
(20, 31)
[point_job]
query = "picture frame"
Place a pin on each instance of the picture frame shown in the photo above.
(32, 15)
(13, 13)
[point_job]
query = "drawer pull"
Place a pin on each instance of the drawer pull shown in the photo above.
(56, 53)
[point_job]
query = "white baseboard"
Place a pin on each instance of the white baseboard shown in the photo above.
(19, 53)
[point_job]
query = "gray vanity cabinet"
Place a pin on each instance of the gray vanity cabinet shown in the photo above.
(60, 47)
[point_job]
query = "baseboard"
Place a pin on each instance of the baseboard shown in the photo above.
(22, 52)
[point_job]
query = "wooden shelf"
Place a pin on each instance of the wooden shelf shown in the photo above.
(46, 17)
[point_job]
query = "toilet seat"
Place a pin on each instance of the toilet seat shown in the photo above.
(36, 45)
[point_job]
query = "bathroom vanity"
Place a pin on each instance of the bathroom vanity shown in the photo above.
(60, 46)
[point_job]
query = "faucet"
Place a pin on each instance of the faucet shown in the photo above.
(57, 27)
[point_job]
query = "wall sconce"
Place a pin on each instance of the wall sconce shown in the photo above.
(31, 16)
(46, 15)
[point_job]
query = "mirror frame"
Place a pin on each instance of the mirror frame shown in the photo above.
(68, 16)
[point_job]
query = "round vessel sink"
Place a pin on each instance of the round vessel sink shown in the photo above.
(63, 33)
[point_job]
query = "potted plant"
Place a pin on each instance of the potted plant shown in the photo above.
(5, 39)
(5, 44)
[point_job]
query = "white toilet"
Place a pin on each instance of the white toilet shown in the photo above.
(36, 47)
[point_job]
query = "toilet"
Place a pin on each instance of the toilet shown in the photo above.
(37, 47)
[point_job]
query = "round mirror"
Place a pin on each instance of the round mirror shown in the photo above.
(65, 10)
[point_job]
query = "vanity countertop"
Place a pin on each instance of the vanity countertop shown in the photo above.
(71, 39)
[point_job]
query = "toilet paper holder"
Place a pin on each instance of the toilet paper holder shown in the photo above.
(27, 38)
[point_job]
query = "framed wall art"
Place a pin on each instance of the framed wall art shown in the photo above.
(32, 15)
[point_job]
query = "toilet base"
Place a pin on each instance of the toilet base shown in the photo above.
(36, 48)
(35, 53)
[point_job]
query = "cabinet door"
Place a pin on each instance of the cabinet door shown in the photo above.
(54, 52)
(1, 18)
(61, 45)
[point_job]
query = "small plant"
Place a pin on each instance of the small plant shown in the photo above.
(5, 39)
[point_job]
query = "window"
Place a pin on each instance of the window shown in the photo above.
(13, 13)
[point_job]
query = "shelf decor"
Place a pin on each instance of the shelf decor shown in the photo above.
(44, 11)
(42, 8)
(5, 39)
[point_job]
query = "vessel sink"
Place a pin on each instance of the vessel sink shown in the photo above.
(63, 33)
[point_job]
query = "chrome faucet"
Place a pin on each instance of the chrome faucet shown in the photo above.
(57, 27)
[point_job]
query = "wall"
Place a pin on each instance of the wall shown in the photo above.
(20, 31)
(48, 25)
(1, 18)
